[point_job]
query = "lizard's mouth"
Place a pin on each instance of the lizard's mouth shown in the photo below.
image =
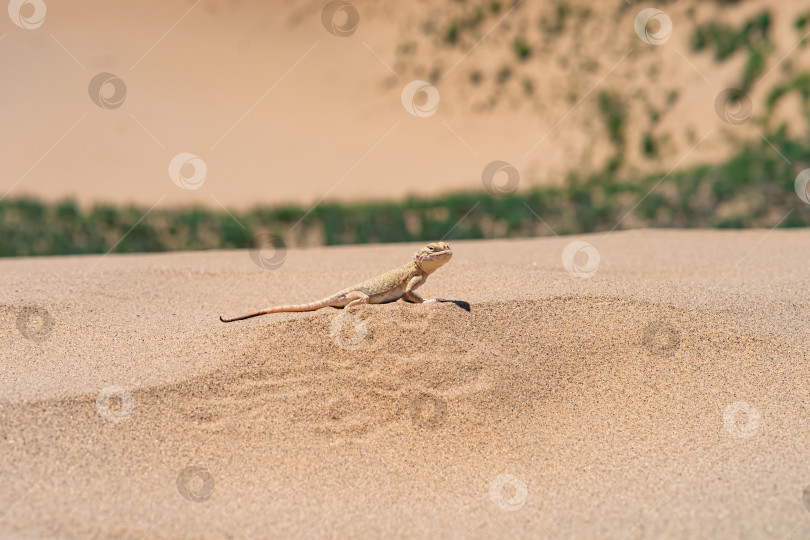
(440, 256)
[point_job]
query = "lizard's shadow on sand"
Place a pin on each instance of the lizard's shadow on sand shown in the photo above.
(460, 303)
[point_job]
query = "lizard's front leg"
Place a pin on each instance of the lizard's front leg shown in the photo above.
(410, 295)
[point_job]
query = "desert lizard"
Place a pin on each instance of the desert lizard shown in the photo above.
(389, 287)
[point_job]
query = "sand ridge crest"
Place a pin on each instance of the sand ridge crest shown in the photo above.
(294, 376)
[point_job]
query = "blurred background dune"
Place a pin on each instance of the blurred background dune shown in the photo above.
(279, 110)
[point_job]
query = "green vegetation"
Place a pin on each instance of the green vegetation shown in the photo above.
(724, 39)
(451, 33)
(727, 40)
(799, 83)
(752, 36)
(802, 20)
(557, 24)
(613, 112)
(753, 68)
(521, 48)
(753, 189)
(469, 21)
(528, 86)
(649, 145)
(503, 75)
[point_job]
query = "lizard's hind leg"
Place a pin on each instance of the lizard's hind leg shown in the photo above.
(357, 298)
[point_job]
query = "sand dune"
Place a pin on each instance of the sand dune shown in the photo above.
(280, 110)
(665, 396)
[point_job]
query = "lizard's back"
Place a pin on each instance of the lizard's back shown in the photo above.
(391, 284)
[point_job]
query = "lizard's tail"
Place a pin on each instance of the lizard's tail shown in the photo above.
(280, 309)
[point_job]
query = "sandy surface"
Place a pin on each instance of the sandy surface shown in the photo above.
(665, 396)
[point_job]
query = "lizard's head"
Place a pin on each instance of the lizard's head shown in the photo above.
(432, 256)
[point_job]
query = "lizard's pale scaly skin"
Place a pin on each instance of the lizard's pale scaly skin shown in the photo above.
(389, 287)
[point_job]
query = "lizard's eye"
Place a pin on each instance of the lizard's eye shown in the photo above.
(430, 248)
